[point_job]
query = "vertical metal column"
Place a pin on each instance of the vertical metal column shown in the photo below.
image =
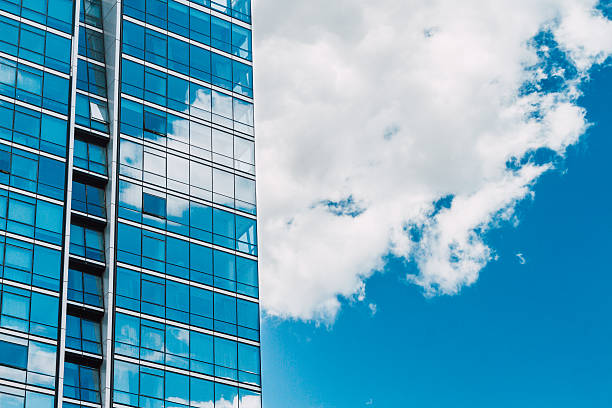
(111, 22)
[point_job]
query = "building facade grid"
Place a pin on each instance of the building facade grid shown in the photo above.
(128, 218)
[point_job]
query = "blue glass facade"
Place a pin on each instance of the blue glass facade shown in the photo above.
(128, 226)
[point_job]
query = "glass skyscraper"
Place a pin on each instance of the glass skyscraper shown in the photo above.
(127, 205)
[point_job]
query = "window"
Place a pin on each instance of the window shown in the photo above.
(178, 55)
(245, 194)
(223, 186)
(88, 199)
(222, 6)
(51, 176)
(248, 364)
(151, 386)
(202, 393)
(27, 361)
(246, 233)
(177, 347)
(156, 12)
(89, 156)
(249, 398)
(33, 129)
(241, 42)
(82, 383)
(36, 173)
(246, 276)
(133, 39)
(221, 34)
(91, 13)
(178, 18)
(156, 48)
(186, 349)
(91, 78)
(154, 122)
(91, 112)
(15, 398)
(226, 358)
(29, 312)
(91, 43)
(154, 205)
(155, 86)
(248, 319)
(201, 353)
(5, 161)
(224, 270)
(15, 309)
(87, 242)
(35, 45)
(126, 383)
(241, 9)
(83, 334)
(84, 288)
(225, 395)
(225, 311)
(242, 78)
(199, 27)
(32, 264)
(43, 320)
(56, 91)
(14, 355)
(177, 259)
(243, 116)
(177, 388)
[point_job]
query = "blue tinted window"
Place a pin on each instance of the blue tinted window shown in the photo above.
(178, 18)
(221, 34)
(126, 383)
(223, 223)
(84, 288)
(154, 205)
(226, 353)
(128, 284)
(177, 387)
(87, 242)
(224, 265)
(89, 156)
(225, 308)
(248, 358)
(241, 9)
(60, 14)
(83, 334)
(151, 382)
(88, 199)
(202, 392)
(51, 173)
(248, 314)
(225, 393)
(241, 42)
(14, 355)
(133, 39)
(81, 382)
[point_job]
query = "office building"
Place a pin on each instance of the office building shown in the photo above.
(127, 205)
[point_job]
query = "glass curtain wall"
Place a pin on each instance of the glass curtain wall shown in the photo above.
(128, 233)
(35, 63)
(187, 313)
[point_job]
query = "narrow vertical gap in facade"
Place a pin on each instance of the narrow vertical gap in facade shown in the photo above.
(86, 308)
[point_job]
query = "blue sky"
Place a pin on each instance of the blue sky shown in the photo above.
(433, 203)
(524, 335)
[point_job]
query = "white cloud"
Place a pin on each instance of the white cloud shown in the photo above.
(386, 107)
(373, 308)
